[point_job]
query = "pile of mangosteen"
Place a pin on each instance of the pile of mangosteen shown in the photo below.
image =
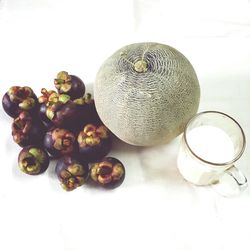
(62, 125)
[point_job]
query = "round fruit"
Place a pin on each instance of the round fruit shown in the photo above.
(43, 103)
(145, 93)
(62, 115)
(43, 117)
(69, 84)
(27, 130)
(109, 172)
(87, 111)
(57, 109)
(19, 99)
(71, 173)
(59, 142)
(33, 160)
(94, 142)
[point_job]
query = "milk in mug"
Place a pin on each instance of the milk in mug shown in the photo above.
(211, 144)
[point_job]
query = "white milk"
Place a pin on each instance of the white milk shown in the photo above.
(211, 144)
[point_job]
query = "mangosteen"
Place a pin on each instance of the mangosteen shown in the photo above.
(59, 142)
(69, 84)
(108, 173)
(19, 99)
(27, 130)
(33, 160)
(71, 173)
(94, 142)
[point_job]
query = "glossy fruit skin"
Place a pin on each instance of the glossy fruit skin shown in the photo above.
(94, 142)
(27, 130)
(65, 116)
(75, 87)
(86, 112)
(59, 142)
(33, 160)
(42, 115)
(57, 109)
(71, 173)
(16, 95)
(108, 173)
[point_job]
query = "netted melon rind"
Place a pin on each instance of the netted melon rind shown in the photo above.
(146, 108)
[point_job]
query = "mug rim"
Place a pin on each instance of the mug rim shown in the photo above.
(209, 162)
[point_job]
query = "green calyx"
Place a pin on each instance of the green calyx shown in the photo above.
(63, 140)
(72, 177)
(21, 127)
(92, 135)
(23, 96)
(54, 103)
(94, 171)
(50, 113)
(64, 98)
(76, 169)
(29, 168)
(12, 93)
(27, 104)
(56, 98)
(63, 75)
(58, 144)
(84, 100)
(38, 154)
(85, 140)
(29, 164)
(105, 172)
(117, 172)
(32, 161)
(46, 95)
(63, 81)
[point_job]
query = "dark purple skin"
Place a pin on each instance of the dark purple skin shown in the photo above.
(27, 130)
(42, 164)
(57, 112)
(93, 152)
(66, 116)
(79, 178)
(12, 108)
(42, 115)
(106, 177)
(86, 112)
(77, 87)
(67, 145)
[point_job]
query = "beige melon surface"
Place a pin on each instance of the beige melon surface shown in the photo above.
(145, 93)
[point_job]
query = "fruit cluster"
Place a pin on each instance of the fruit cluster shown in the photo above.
(62, 125)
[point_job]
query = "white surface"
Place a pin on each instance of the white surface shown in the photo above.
(154, 208)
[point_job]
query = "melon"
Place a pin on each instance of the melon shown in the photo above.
(145, 93)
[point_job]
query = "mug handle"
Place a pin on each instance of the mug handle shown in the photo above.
(231, 183)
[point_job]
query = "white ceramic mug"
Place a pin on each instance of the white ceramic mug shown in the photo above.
(194, 163)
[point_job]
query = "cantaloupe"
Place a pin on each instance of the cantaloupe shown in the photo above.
(145, 93)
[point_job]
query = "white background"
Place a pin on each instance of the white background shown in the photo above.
(154, 208)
